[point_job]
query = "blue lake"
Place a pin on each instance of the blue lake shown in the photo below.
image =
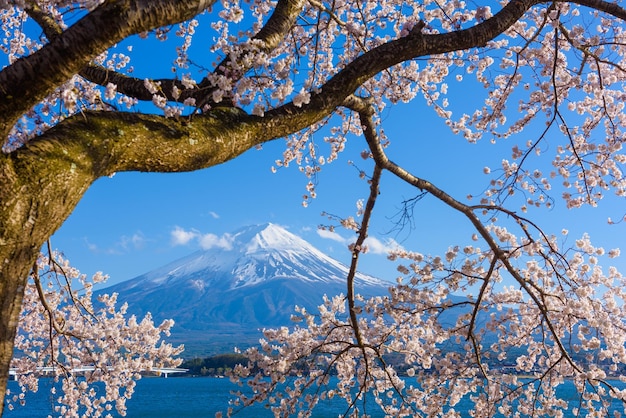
(157, 397)
(193, 397)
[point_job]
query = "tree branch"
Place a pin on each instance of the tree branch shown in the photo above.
(268, 38)
(28, 80)
(271, 34)
(129, 86)
(499, 254)
(610, 8)
(101, 143)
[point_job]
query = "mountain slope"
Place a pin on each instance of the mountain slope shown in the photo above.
(221, 297)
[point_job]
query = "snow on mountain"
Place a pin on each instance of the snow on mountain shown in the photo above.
(254, 279)
(255, 254)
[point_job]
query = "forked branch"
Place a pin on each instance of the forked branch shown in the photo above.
(499, 254)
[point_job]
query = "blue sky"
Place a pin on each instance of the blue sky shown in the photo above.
(133, 222)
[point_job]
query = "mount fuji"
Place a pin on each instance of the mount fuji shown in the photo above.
(223, 297)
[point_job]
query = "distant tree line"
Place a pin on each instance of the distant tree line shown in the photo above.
(216, 365)
(221, 364)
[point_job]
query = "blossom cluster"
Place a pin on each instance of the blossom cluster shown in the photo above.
(63, 329)
(508, 349)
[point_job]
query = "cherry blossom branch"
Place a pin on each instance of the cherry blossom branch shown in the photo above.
(513, 178)
(358, 247)
(365, 111)
(502, 91)
(49, 311)
(129, 86)
(268, 38)
(557, 113)
(28, 80)
(320, 6)
(42, 298)
(381, 159)
(57, 266)
(53, 326)
(587, 52)
(479, 298)
(611, 8)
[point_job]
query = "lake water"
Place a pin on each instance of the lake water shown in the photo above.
(157, 397)
(176, 397)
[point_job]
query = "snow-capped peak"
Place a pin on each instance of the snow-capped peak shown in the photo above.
(258, 254)
(269, 236)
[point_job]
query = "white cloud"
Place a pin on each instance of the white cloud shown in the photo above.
(374, 245)
(208, 241)
(377, 246)
(324, 233)
(214, 215)
(136, 241)
(182, 237)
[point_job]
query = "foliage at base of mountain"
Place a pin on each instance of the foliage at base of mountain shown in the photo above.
(215, 365)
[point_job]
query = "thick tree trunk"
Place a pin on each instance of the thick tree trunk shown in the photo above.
(13, 272)
(36, 196)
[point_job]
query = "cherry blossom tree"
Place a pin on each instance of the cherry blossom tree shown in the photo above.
(294, 69)
(95, 352)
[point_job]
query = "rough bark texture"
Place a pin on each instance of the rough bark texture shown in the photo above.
(41, 183)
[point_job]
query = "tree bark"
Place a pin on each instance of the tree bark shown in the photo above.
(12, 271)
